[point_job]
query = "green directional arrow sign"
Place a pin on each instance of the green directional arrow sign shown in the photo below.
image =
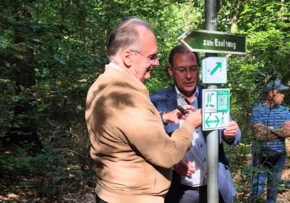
(216, 121)
(214, 42)
(218, 66)
(214, 70)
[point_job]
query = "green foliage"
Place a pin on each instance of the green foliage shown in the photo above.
(52, 51)
(49, 171)
(174, 19)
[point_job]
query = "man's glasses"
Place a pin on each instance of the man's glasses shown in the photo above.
(152, 58)
(192, 69)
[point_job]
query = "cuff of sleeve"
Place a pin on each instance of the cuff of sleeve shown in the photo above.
(188, 126)
(229, 139)
(161, 113)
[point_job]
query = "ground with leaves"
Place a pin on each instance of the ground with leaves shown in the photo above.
(89, 197)
(69, 198)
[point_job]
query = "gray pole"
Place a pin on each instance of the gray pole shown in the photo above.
(212, 138)
(211, 15)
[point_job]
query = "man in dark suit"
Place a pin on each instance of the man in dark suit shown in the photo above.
(189, 181)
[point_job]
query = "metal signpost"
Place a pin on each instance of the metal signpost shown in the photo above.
(216, 102)
(215, 115)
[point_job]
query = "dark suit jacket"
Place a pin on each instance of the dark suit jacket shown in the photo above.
(166, 101)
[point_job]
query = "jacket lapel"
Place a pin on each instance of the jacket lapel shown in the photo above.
(199, 97)
(171, 105)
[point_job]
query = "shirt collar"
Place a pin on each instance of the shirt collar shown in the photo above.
(195, 94)
(115, 65)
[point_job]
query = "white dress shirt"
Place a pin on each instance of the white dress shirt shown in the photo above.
(197, 153)
(115, 66)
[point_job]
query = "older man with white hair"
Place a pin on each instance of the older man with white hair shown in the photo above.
(133, 153)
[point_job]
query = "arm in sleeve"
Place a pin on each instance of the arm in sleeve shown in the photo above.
(144, 130)
(259, 129)
(284, 130)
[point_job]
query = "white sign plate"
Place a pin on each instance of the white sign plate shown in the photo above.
(214, 70)
(215, 109)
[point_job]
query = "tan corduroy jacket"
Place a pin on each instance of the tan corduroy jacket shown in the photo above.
(134, 154)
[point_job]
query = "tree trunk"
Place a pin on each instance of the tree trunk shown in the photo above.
(234, 25)
(23, 127)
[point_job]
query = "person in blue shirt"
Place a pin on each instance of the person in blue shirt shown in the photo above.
(270, 125)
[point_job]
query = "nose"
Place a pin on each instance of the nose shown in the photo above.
(188, 74)
(156, 62)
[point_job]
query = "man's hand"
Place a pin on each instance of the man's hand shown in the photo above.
(194, 117)
(231, 131)
(287, 124)
(286, 128)
(175, 115)
(184, 168)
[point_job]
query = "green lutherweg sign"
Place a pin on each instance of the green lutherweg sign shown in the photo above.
(215, 109)
(213, 42)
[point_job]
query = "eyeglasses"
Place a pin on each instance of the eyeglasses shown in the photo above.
(192, 69)
(152, 58)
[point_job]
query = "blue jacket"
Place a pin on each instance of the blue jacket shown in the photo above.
(166, 101)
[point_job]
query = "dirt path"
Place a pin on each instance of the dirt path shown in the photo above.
(69, 198)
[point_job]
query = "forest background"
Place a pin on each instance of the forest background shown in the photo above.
(51, 51)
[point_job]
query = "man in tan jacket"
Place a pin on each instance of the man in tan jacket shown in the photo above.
(134, 155)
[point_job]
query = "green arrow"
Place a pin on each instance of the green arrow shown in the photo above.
(217, 121)
(218, 65)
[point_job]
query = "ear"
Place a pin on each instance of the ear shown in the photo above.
(169, 70)
(271, 94)
(127, 58)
